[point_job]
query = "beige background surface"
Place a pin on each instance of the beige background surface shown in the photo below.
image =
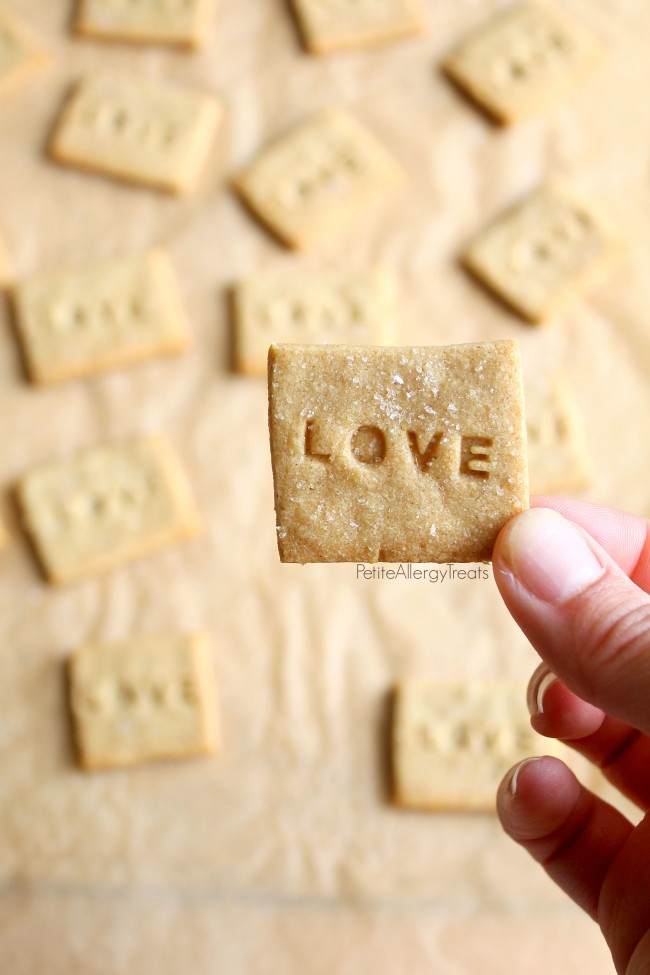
(282, 855)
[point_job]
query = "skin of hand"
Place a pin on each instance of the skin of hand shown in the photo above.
(576, 579)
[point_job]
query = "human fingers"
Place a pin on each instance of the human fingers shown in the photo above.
(622, 752)
(586, 619)
(625, 537)
(573, 834)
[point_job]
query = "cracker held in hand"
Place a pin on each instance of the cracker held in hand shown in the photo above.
(20, 54)
(75, 323)
(558, 458)
(153, 133)
(528, 55)
(543, 252)
(298, 306)
(337, 25)
(319, 179)
(181, 23)
(106, 507)
(142, 699)
(395, 454)
(452, 743)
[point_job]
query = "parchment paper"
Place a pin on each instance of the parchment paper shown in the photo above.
(283, 854)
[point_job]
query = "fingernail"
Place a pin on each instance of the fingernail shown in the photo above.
(515, 775)
(549, 556)
(545, 680)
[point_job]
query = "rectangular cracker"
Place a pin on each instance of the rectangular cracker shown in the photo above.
(152, 133)
(20, 53)
(523, 58)
(142, 699)
(318, 179)
(328, 26)
(76, 323)
(353, 308)
(543, 252)
(180, 24)
(106, 507)
(395, 454)
(452, 743)
(558, 457)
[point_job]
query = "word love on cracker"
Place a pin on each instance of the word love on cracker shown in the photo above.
(528, 55)
(328, 26)
(142, 699)
(179, 23)
(395, 454)
(20, 54)
(76, 323)
(543, 252)
(153, 133)
(348, 307)
(453, 743)
(318, 179)
(106, 507)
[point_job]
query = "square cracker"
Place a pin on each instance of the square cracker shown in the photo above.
(526, 56)
(20, 53)
(152, 133)
(318, 179)
(106, 507)
(354, 308)
(338, 25)
(395, 454)
(75, 323)
(141, 699)
(452, 743)
(542, 252)
(180, 24)
(558, 458)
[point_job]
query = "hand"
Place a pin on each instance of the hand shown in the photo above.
(576, 579)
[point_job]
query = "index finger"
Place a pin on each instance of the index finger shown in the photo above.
(625, 537)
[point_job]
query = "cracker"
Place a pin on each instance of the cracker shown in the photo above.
(141, 699)
(179, 23)
(452, 743)
(356, 308)
(106, 507)
(522, 59)
(318, 179)
(152, 133)
(558, 457)
(20, 53)
(395, 454)
(543, 252)
(328, 26)
(75, 323)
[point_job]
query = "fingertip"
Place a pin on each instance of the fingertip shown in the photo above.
(536, 797)
(556, 712)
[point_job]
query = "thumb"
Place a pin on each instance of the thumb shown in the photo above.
(583, 615)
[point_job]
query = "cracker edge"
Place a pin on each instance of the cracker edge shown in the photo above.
(190, 523)
(175, 344)
(577, 287)
(475, 92)
(305, 239)
(200, 648)
(352, 42)
(36, 55)
(258, 369)
(85, 27)
(212, 106)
